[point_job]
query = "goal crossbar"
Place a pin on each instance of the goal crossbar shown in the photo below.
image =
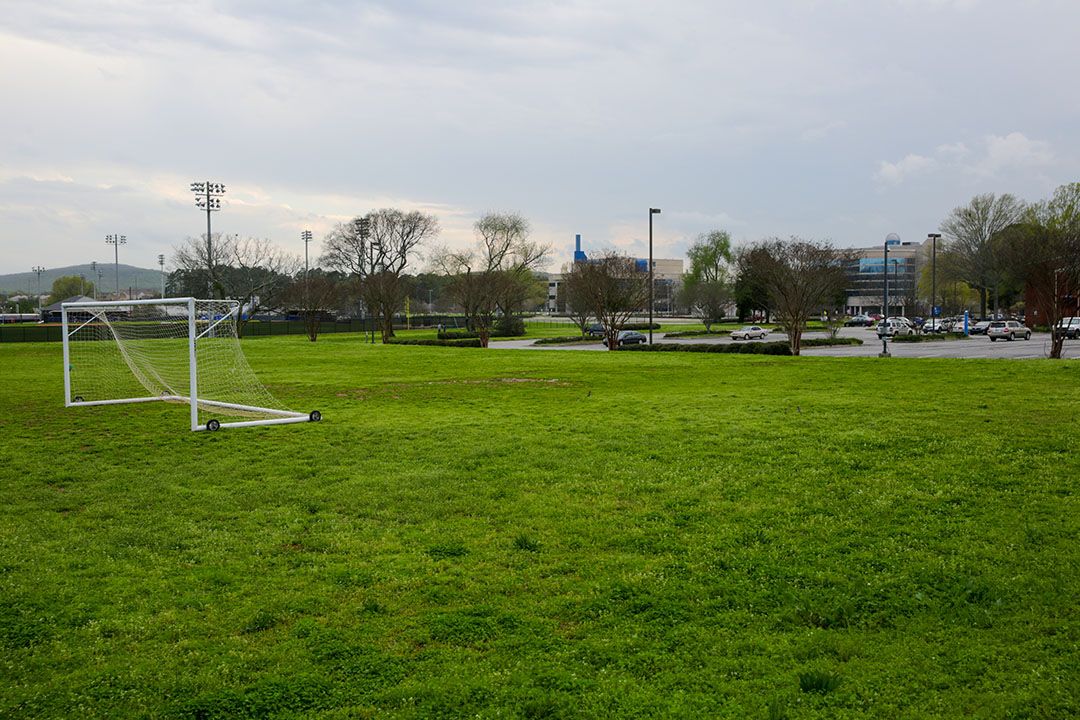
(125, 346)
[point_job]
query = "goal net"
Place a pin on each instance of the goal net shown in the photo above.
(180, 350)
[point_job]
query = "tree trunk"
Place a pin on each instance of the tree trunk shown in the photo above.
(795, 339)
(485, 335)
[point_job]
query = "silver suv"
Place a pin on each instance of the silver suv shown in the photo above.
(1008, 329)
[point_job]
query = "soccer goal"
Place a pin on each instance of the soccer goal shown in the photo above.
(175, 350)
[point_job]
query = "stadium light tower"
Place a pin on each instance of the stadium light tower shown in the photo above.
(652, 211)
(161, 263)
(97, 276)
(208, 198)
(116, 241)
(38, 269)
(306, 237)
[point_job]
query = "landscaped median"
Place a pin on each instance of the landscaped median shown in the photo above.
(928, 337)
(775, 347)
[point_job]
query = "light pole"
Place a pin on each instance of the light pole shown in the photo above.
(97, 276)
(38, 269)
(652, 211)
(885, 313)
(306, 237)
(116, 241)
(208, 197)
(933, 238)
(363, 229)
(161, 263)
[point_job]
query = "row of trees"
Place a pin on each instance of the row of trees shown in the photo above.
(1000, 240)
(365, 266)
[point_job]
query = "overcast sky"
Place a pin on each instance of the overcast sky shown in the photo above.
(840, 120)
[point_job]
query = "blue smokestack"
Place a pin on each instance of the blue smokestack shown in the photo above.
(578, 255)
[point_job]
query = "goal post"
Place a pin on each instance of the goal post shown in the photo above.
(175, 350)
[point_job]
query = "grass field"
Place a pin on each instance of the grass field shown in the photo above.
(476, 533)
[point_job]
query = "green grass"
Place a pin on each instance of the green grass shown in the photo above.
(486, 533)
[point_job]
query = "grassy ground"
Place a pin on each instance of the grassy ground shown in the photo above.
(548, 534)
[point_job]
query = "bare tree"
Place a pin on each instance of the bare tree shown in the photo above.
(613, 288)
(376, 250)
(317, 296)
(968, 249)
(800, 276)
(575, 298)
(251, 270)
(497, 275)
(1044, 252)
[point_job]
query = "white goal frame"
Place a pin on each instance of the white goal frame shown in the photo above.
(285, 417)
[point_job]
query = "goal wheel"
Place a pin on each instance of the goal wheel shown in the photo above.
(315, 416)
(78, 398)
(213, 425)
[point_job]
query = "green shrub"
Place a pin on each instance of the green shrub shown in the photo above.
(565, 339)
(471, 342)
(509, 326)
(817, 681)
(641, 326)
(828, 342)
(456, 335)
(927, 338)
(751, 348)
(697, 333)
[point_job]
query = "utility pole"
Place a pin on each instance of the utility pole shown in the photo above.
(97, 276)
(208, 197)
(116, 241)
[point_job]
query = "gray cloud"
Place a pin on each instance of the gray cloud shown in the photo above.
(844, 121)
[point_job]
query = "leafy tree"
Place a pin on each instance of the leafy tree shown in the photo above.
(801, 277)
(67, 286)
(376, 250)
(1044, 252)
(969, 253)
(708, 287)
(495, 275)
(750, 293)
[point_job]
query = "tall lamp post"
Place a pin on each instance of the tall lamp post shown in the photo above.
(306, 237)
(652, 211)
(161, 263)
(885, 313)
(38, 269)
(116, 241)
(208, 198)
(933, 238)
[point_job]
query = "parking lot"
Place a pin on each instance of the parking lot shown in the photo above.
(975, 346)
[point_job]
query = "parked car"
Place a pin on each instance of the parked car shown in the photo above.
(596, 330)
(749, 331)
(1008, 329)
(933, 326)
(859, 321)
(632, 337)
(895, 326)
(979, 328)
(1070, 327)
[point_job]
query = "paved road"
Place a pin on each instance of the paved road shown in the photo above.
(973, 347)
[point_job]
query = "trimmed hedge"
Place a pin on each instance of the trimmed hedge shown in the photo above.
(828, 342)
(567, 339)
(641, 326)
(697, 333)
(468, 342)
(926, 338)
(469, 335)
(753, 348)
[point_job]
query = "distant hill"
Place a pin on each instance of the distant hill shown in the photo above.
(130, 276)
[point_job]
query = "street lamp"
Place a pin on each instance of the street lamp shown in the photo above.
(161, 263)
(38, 269)
(116, 241)
(208, 197)
(933, 237)
(652, 211)
(885, 311)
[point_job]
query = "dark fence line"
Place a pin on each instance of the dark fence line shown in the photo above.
(268, 328)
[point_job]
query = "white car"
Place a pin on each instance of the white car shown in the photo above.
(749, 332)
(895, 326)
